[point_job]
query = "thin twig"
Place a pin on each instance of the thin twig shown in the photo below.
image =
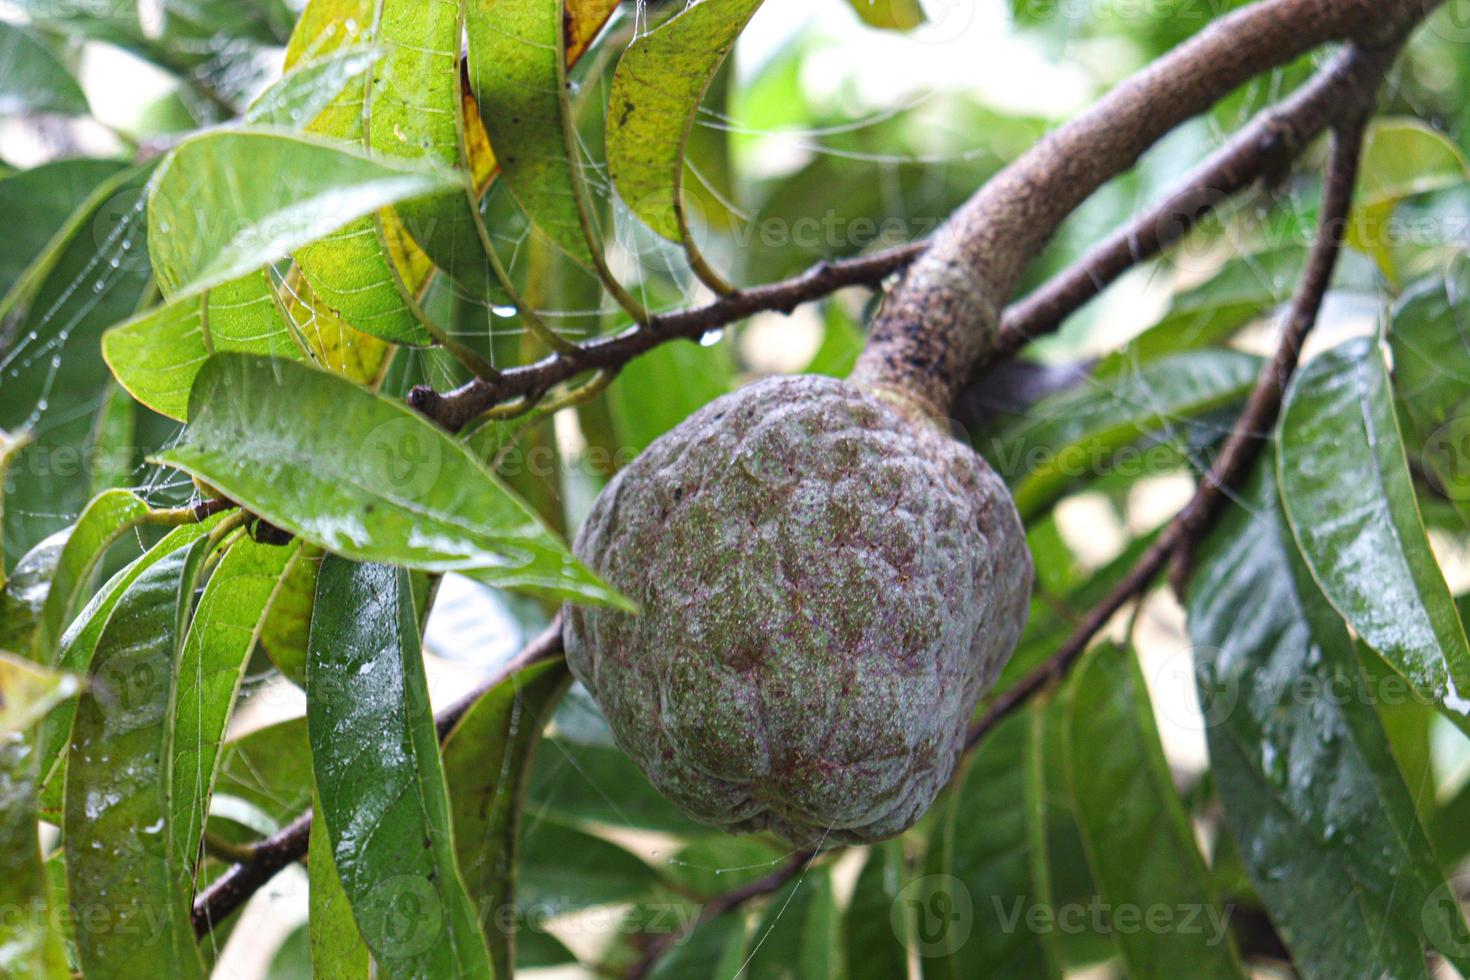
(1241, 447)
(234, 887)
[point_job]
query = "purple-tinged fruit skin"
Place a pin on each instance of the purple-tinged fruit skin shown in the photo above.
(827, 588)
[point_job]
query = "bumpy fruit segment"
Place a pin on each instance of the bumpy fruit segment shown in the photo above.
(827, 588)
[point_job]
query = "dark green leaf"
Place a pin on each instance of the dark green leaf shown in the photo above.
(269, 434)
(1314, 799)
(45, 199)
(1077, 434)
(984, 906)
(486, 759)
(563, 869)
(878, 926)
(1347, 491)
(1139, 842)
(53, 375)
(1431, 376)
(34, 79)
(120, 847)
(798, 934)
(379, 779)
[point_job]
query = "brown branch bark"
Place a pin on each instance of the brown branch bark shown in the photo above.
(1241, 448)
(234, 887)
(945, 312)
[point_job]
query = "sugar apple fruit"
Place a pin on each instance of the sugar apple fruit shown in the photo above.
(828, 583)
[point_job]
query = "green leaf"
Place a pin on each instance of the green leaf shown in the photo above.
(265, 777)
(116, 825)
(563, 869)
(28, 692)
(79, 644)
(283, 637)
(114, 437)
(281, 191)
(1431, 377)
(44, 203)
(1348, 493)
(1077, 434)
(1312, 795)
(716, 948)
(337, 949)
(1139, 842)
(309, 88)
(878, 926)
(890, 15)
(268, 434)
(798, 934)
(352, 272)
(53, 375)
(34, 80)
(975, 912)
(580, 774)
(1402, 157)
(517, 70)
(207, 679)
(656, 90)
(415, 110)
(486, 759)
(375, 753)
(662, 388)
(109, 516)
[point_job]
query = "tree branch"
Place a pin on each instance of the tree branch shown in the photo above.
(1267, 145)
(1241, 448)
(945, 312)
(234, 887)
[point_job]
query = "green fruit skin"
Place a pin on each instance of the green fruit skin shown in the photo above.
(827, 588)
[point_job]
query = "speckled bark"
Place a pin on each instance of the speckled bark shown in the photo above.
(827, 588)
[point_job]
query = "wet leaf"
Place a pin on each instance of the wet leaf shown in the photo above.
(486, 760)
(1349, 497)
(1312, 795)
(337, 949)
(309, 88)
(1139, 842)
(1076, 435)
(120, 847)
(207, 679)
(656, 91)
(269, 434)
(379, 779)
(976, 912)
(282, 192)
